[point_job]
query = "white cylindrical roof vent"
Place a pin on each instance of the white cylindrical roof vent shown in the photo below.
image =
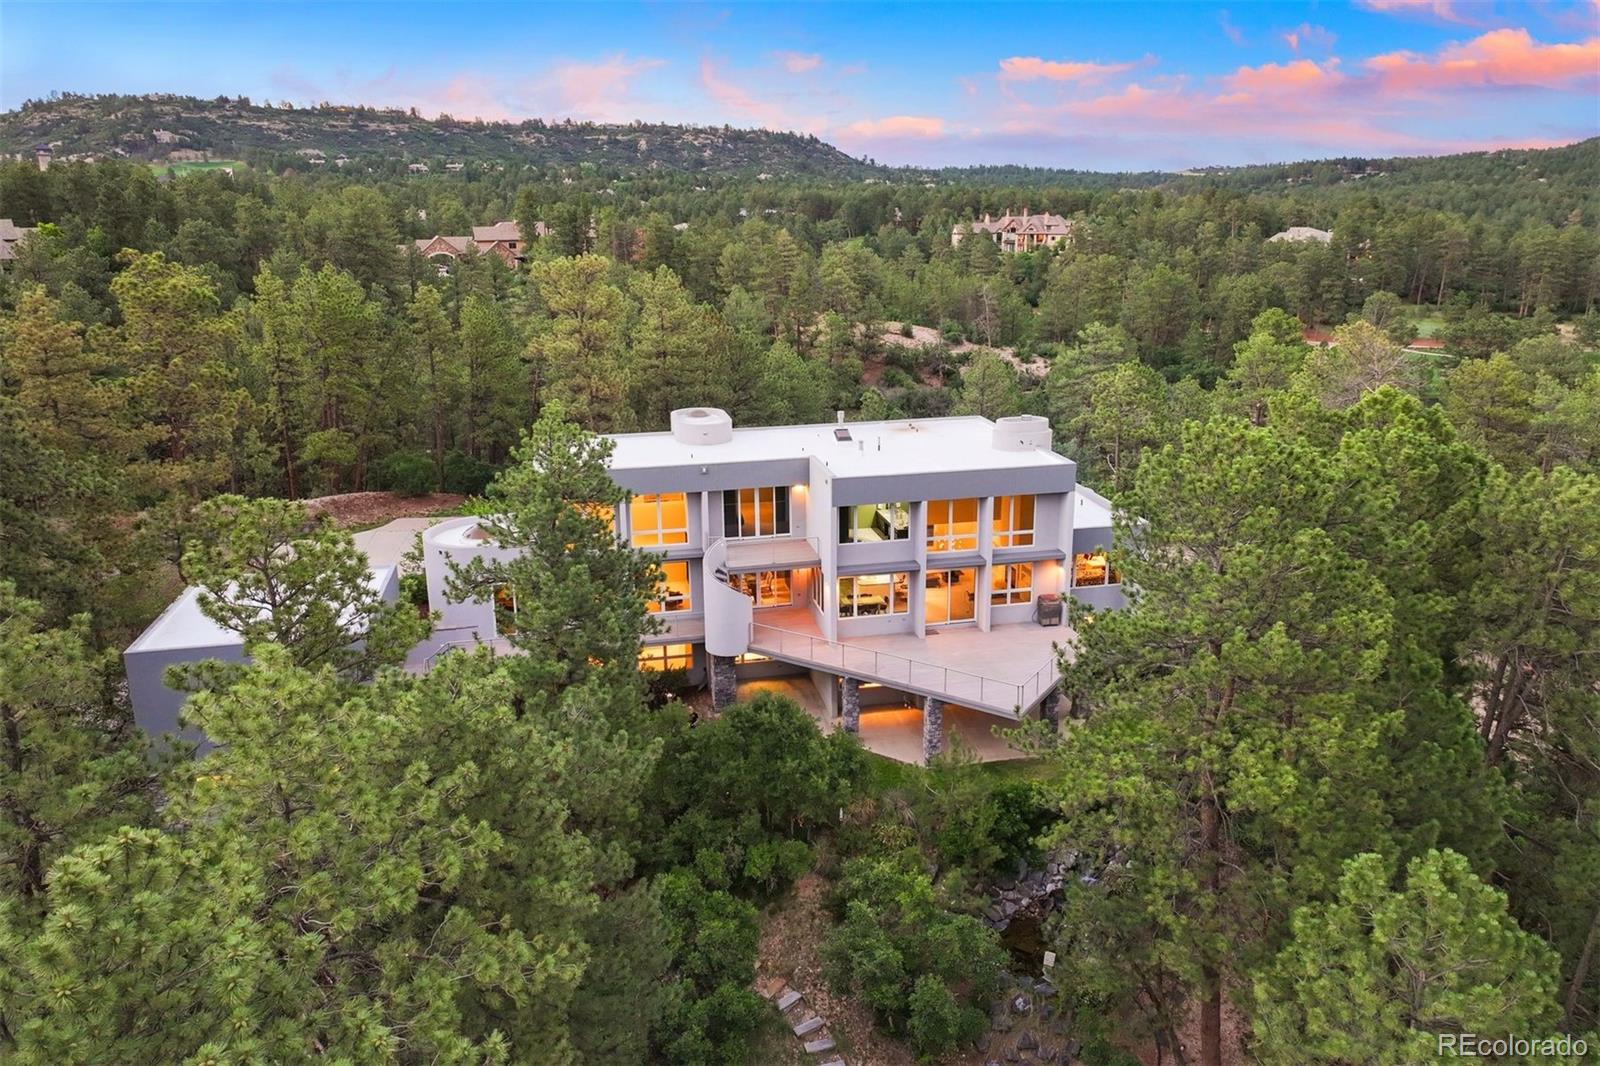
(701, 425)
(1021, 433)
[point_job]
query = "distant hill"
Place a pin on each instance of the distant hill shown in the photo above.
(161, 128)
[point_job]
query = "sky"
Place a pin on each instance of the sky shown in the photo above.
(1107, 86)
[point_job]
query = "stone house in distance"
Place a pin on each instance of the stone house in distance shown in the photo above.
(1018, 233)
(503, 239)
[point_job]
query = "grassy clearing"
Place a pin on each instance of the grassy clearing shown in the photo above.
(209, 164)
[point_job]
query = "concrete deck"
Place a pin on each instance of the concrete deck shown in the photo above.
(1007, 667)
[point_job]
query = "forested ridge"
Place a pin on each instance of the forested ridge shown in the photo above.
(1337, 765)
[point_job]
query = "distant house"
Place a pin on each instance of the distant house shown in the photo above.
(1302, 233)
(42, 154)
(11, 235)
(503, 239)
(1018, 233)
(418, 168)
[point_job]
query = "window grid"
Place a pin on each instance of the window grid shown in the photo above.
(1011, 584)
(1013, 521)
(659, 519)
(952, 525)
(870, 595)
(758, 512)
(666, 657)
(674, 590)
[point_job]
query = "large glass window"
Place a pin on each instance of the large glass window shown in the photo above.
(874, 594)
(868, 523)
(814, 579)
(660, 519)
(760, 512)
(673, 590)
(769, 588)
(666, 657)
(1011, 584)
(1093, 568)
(950, 596)
(952, 525)
(1013, 521)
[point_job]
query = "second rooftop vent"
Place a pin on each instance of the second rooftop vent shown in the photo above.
(701, 425)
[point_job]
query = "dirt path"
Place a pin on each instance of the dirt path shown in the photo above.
(924, 335)
(360, 510)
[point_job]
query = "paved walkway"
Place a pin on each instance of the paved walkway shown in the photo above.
(387, 544)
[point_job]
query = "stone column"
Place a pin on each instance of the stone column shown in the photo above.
(1050, 711)
(932, 727)
(724, 682)
(850, 705)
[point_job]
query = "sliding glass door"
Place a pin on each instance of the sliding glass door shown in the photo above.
(951, 596)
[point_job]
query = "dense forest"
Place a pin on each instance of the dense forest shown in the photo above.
(1331, 784)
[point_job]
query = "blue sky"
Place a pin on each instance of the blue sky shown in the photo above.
(1125, 85)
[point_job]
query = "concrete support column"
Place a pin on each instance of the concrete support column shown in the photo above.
(1050, 711)
(850, 705)
(932, 727)
(724, 682)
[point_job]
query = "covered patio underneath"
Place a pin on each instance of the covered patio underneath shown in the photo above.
(895, 732)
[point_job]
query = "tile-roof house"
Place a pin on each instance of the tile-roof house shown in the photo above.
(503, 239)
(1019, 233)
(1302, 233)
(11, 234)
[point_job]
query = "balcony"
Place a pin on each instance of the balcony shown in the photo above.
(771, 553)
(1004, 671)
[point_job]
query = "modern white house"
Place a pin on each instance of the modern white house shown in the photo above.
(909, 563)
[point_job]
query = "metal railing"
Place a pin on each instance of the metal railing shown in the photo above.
(944, 682)
(496, 646)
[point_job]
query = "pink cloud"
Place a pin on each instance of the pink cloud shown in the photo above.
(723, 89)
(1499, 58)
(1032, 68)
(798, 62)
(922, 127)
(598, 91)
(1299, 76)
(1441, 10)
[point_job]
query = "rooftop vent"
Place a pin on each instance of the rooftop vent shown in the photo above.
(701, 425)
(841, 434)
(1021, 433)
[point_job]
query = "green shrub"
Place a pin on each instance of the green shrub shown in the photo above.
(951, 331)
(466, 475)
(406, 473)
(937, 1022)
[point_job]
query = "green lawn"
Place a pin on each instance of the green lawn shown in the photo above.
(185, 168)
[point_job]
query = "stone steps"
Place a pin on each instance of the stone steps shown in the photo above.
(789, 1002)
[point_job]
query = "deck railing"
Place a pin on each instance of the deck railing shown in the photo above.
(958, 686)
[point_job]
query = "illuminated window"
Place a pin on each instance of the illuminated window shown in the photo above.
(868, 523)
(660, 519)
(760, 512)
(666, 657)
(751, 657)
(952, 525)
(1011, 584)
(814, 578)
(873, 594)
(769, 588)
(674, 589)
(505, 611)
(1093, 568)
(603, 511)
(1013, 521)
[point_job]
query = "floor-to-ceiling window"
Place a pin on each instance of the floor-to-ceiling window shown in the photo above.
(659, 519)
(952, 525)
(950, 596)
(768, 588)
(760, 512)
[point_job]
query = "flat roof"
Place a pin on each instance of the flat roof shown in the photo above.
(898, 446)
(183, 625)
(1093, 510)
